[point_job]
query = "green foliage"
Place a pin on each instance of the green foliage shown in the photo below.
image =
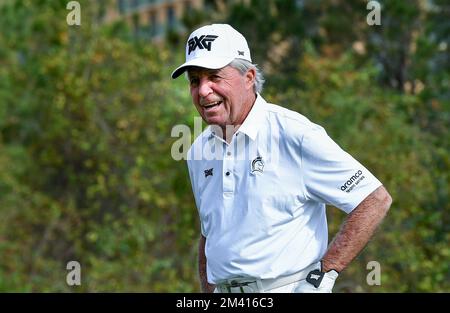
(86, 114)
(371, 124)
(86, 119)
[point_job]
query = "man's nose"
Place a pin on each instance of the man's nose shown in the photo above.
(204, 88)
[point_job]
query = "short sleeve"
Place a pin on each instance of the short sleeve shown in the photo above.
(333, 176)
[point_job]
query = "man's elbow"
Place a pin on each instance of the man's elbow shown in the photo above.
(385, 200)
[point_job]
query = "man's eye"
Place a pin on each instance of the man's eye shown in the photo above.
(214, 78)
(194, 81)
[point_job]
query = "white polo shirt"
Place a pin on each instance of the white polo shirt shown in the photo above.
(261, 198)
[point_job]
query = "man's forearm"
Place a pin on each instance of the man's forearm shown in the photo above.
(206, 287)
(357, 230)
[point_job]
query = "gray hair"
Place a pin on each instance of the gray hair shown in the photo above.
(243, 66)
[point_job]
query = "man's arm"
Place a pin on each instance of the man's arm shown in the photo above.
(356, 230)
(206, 287)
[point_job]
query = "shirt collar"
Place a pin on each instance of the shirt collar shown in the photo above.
(254, 119)
(252, 122)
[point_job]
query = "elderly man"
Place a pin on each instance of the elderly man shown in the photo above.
(262, 176)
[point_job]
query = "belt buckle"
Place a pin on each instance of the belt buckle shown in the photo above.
(233, 283)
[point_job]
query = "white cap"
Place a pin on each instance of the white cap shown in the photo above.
(213, 47)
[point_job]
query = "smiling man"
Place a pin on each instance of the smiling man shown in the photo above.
(261, 199)
(224, 96)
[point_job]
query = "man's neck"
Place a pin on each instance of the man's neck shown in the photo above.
(230, 130)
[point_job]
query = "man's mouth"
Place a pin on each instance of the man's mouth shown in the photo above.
(211, 105)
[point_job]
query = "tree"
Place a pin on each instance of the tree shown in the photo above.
(90, 117)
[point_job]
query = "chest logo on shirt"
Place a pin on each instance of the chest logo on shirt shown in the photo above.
(209, 172)
(257, 165)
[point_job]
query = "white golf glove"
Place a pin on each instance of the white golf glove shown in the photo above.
(318, 281)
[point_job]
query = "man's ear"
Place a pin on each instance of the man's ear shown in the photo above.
(250, 77)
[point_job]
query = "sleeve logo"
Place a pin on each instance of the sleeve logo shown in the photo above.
(351, 183)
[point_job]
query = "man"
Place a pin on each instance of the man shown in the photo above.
(261, 177)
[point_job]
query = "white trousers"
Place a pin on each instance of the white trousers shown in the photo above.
(302, 286)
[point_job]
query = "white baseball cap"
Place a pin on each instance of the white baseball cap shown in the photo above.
(213, 47)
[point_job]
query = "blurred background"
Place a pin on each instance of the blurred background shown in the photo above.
(86, 114)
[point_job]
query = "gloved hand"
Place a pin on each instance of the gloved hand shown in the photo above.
(318, 281)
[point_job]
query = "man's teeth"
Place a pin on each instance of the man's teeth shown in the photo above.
(209, 105)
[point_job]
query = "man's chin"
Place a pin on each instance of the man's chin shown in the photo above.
(218, 122)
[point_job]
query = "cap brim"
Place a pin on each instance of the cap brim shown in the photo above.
(209, 63)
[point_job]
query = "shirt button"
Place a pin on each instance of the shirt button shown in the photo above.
(227, 173)
(228, 153)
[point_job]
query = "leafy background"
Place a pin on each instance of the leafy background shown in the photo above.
(86, 114)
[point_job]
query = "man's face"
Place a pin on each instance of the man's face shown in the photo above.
(221, 96)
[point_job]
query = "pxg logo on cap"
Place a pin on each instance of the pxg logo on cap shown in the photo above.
(204, 42)
(213, 47)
